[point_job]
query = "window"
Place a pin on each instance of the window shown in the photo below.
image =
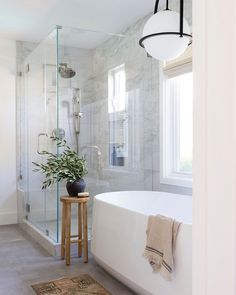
(116, 90)
(118, 116)
(177, 127)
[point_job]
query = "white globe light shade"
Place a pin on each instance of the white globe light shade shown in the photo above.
(165, 47)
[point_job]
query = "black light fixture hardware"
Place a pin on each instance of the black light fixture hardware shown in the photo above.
(181, 20)
(156, 6)
(164, 33)
(167, 4)
(181, 32)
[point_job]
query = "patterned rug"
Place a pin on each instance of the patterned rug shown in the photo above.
(82, 285)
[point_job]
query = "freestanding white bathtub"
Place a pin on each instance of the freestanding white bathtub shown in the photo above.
(119, 237)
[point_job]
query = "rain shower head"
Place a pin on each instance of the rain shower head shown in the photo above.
(66, 72)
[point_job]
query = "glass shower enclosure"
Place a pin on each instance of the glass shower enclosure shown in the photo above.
(90, 89)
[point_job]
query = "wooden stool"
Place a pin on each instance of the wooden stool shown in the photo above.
(82, 236)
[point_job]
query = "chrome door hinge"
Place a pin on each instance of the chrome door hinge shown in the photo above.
(27, 68)
(27, 207)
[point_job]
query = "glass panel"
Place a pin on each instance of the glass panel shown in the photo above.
(108, 111)
(83, 108)
(40, 107)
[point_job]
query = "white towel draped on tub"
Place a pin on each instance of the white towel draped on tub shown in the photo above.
(161, 238)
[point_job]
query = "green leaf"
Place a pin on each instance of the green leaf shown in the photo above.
(67, 165)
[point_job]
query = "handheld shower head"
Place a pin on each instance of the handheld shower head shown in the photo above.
(66, 72)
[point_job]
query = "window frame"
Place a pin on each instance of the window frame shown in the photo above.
(120, 115)
(169, 138)
(112, 87)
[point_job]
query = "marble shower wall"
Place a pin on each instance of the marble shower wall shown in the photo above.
(142, 171)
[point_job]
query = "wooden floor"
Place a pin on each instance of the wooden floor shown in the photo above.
(23, 263)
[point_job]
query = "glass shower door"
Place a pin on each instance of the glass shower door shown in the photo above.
(42, 123)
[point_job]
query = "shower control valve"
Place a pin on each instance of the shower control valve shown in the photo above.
(78, 115)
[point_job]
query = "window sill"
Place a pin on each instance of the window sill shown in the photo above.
(177, 181)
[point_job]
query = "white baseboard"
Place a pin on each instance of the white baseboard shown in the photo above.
(9, 217)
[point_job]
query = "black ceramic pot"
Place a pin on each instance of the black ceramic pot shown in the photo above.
(73, 188)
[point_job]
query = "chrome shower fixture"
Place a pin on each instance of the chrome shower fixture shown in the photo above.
(76, 95)
(59, 133)
(66, 72)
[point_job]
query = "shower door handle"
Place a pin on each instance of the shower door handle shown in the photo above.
(38, 149)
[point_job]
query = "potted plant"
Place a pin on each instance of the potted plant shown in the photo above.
(67, 165)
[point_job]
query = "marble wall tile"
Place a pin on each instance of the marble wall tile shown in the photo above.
(143, 91)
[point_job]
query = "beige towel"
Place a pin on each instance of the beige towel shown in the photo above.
(161, 238)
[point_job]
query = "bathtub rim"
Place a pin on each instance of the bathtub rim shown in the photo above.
(98, 198)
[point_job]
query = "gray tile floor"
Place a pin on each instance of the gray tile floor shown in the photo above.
(23, 263)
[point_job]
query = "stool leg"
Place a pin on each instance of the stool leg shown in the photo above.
(68, 232)
(80, 229)
(85, 240)
(63, 228)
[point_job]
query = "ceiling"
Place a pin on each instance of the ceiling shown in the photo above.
(32, 20)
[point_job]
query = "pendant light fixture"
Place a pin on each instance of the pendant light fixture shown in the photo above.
(166, 34)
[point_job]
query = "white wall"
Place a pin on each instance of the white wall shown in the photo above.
(8, 199)
(214, 188)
